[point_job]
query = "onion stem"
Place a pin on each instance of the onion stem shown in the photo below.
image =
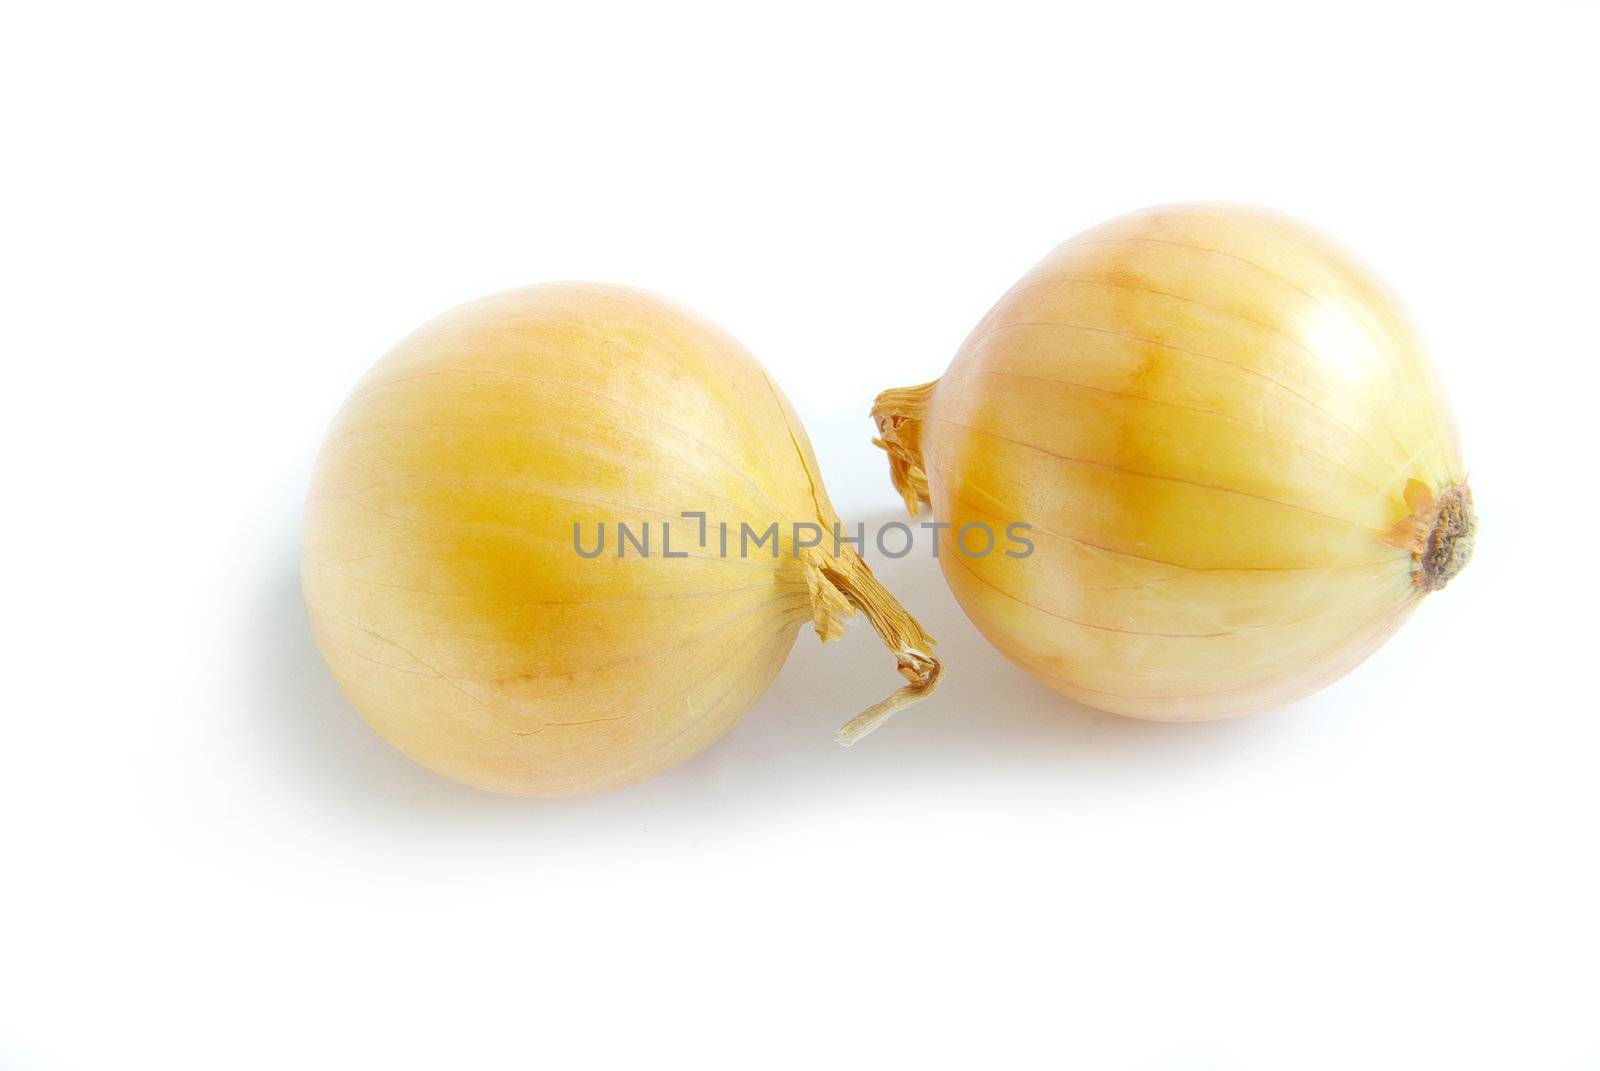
(841, 586)
(898, 413)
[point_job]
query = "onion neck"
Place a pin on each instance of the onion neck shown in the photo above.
(840, 586)
(899, 415)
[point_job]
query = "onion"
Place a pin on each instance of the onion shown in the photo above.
(462, 488)
(1238, 465)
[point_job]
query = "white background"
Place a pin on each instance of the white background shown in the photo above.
(216, 216)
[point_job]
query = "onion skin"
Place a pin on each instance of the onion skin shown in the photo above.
(1240, 470)
(438, 559)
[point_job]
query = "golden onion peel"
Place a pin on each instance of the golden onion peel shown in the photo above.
(1238, 465)
(440, 556)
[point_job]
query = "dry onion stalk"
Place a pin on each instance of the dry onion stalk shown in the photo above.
(1240, 471)
(454, 504)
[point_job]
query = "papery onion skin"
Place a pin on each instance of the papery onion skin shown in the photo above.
(438, 561)
(1240, 468)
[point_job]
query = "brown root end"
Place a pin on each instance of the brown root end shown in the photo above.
(898, 414)
(1449, 543)
(839, 587)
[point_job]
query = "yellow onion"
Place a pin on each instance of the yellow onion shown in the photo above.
(1239, 469)
(441, 544)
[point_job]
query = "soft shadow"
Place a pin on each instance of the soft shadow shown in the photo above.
(988, 722)
(307, 722)
(988, 719)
